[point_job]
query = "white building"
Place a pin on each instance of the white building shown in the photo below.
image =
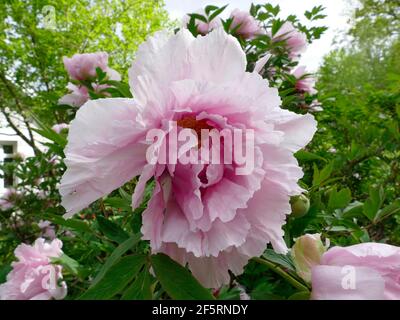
(11, 144)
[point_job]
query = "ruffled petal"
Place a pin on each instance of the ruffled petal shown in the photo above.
(102, 151)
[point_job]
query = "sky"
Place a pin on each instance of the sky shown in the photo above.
(336, 19)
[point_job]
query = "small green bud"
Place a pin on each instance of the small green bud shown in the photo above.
(300, 205)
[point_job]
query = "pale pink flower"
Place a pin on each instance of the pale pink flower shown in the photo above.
(77, 97)
(260, 64)
(245, 24)
(203, 215)
(48, 230)
(305, 82)
(33, 276)
(7, 199)
(296, 41)
(83, 66)
(60, 127)
(315, 106)
(364, 271)
(203, 27)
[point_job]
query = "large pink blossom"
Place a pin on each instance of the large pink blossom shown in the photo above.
(245, 24)
(305, 82)
(363, 271)
(203, 215)
(83, 66)
(33, 276)
(296, 41)
(202, 27)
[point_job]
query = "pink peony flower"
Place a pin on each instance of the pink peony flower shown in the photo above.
(364, 271)
(260, 64)
(59, 127)
(80, 94)
(8, 198)
(305, 82)
(77, 97)
(296, 41)
(201, 214)
(33, 276)
(48, 230)
(83, 66)
(246, 25)
(203, 27)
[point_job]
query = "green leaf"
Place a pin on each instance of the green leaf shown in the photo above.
(115, 257)
(74, 224)
(279, 259)
(140, 289)
(373, 203)
(45, 131)
(320, 176)
(353, 210)
(119, 203)
(4, 270)
(198, 17)
(210, 8)
(302, 295)
(116, 278)
(70, 264)
(338, 200)
(121, 87)
(177, 281)
(111, 230)
(387, 211)
(217, 12)
(308, 156)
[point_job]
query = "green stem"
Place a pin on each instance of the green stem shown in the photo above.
(282, 273)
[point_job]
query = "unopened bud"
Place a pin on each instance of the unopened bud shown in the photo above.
(306, 253)
(300, 205)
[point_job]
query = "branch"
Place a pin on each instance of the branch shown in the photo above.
(19, 132)
(21, 111)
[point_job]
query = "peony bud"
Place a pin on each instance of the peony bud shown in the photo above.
(300, 205)
(306, 253)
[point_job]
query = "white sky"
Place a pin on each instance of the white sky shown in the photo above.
(312, 58)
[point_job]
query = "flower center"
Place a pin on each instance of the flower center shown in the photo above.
(190, 122)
